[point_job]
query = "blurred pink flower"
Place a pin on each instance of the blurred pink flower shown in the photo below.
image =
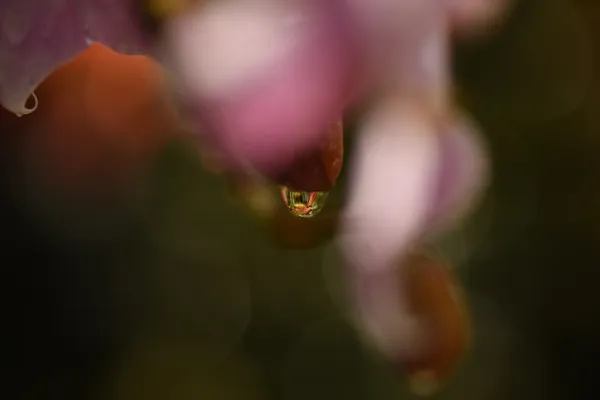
(38, 36)
(263, 78)
(415, 173)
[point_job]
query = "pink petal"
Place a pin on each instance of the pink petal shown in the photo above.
(38, 36)
(268, 126)
(409, 177)
(392, 182)
(406, 46)
(382, 314)
(463, 171)
(276, 102)
(393, 179)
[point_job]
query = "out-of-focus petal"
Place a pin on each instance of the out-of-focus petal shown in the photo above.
(435, 297)
(392, 181)
(394, 174)
(412, 173)
(38, 36)
(406, 44)
(463, 169)
(382, 314)
(264, 93)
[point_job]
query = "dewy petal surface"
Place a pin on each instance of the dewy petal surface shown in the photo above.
(37, 36)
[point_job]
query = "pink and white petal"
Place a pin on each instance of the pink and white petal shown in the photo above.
(38, 36)
(409, 178)
(406, 45)
(220, 45)
(269, 125)
(463, 172)
(422, 62)
(382, 315)
(265, 92)
(393, 179)
(392, 182)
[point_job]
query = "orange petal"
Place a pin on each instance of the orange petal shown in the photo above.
(434, 297)
(101, 117)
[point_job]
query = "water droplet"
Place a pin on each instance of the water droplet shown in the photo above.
(304, 204)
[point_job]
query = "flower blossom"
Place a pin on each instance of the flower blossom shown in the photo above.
(262, 78)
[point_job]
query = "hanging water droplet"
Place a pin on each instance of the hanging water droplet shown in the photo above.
(304, 204)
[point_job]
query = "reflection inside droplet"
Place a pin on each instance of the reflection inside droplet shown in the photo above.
(304, 204)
